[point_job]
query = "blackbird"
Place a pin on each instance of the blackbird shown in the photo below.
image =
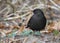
(38, 21)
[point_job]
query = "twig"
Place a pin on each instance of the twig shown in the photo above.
(10, 15)
(3, 10)
(7, 32)
(9, 3)
(25, 40)
(42, 6)
(54, 3)
(11, 18)
(15, 23)
(3, 34)
(25, 4)
(6, 14)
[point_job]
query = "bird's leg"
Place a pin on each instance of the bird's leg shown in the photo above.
(36, 32)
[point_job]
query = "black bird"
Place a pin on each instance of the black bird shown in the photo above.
(38, 21)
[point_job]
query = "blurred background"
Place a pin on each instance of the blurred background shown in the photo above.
(14, 15)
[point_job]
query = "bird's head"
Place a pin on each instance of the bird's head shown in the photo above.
(38, 12)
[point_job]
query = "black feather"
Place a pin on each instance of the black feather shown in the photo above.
(38, 21)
